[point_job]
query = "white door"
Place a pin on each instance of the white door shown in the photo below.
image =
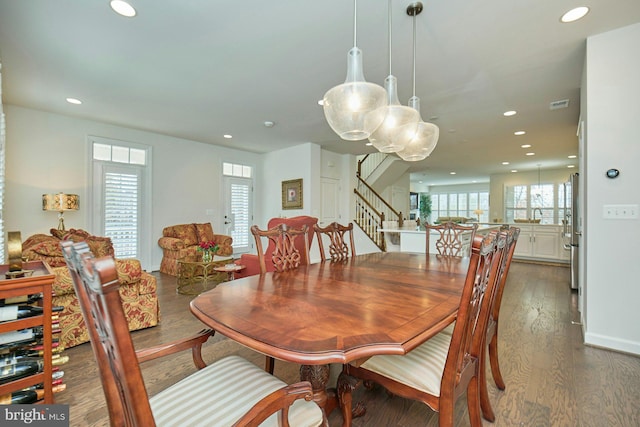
(330, 208)
(238, 212)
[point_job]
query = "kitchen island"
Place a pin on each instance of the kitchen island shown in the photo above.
(413, 239)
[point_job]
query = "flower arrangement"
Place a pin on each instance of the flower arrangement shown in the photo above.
(208, 250)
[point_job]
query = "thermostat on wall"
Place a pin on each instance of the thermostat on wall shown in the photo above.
(613, 173)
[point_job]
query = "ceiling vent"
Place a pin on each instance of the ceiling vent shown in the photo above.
(556, 105)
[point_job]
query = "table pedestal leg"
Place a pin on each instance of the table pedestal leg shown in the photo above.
(318, 376)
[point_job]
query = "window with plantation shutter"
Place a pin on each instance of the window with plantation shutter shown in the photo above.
(238, 210)
(120, 198)
(121, 212)
(2, 260)
(239, 197)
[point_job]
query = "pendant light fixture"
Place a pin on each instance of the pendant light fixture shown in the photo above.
(426, 136)
(398, 122)
(346, 106)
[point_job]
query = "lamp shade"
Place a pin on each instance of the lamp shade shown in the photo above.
(398, 122)
(60, 202)
(424, 140)
(346, 106)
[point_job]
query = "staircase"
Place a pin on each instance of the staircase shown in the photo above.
(376, 172)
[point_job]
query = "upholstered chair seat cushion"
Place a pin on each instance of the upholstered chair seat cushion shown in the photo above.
(421, 368)
(221, 393)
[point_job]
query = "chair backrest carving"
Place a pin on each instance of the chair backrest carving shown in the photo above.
(512, 238)
(285, 255)
(452, 239)
(96, 285)
(473, 314)
(339, 248)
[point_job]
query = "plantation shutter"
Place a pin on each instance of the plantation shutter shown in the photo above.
(121, 212)
(240, 193)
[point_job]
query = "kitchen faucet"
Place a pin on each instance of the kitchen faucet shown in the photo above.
(534, 213)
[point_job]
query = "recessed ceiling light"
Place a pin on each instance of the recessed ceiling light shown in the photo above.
(452, 173)
(571, 166)
(123, 8)
(575, 14)
(530, 154)
(321, 102)
(519, 132)
(509, 113)
(514, 170)
(227, 136)
(526, 146)
(369, 144)
(269, 124)
(505, 163)
(573, 156)
(74, 101)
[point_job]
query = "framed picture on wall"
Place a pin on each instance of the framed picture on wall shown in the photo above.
(413, 201)
(292, 194)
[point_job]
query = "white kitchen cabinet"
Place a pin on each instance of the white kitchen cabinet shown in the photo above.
(542, 242)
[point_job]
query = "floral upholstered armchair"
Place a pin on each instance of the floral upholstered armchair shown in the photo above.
(137, 287)
(251, 261)
(179, 241)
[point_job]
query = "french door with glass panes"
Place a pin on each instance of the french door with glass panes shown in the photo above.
(238, 216)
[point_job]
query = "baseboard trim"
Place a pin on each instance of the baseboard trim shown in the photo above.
(612, 343)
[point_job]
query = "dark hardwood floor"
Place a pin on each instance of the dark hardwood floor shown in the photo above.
(552, 378)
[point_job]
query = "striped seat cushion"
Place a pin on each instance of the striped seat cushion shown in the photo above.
(449, 329)
(420, 369)
(221, 393)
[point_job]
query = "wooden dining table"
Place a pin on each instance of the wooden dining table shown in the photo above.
(338, 312)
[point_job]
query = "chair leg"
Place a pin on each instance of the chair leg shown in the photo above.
(485, 403)
(473, 403)
(269, 364)
(345, 387)
(493, 360)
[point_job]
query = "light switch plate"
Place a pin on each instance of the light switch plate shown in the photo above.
(620, 211)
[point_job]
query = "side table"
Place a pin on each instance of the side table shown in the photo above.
(230, 269)
(196, 276)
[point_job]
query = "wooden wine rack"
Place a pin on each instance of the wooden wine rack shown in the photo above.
(40, 281)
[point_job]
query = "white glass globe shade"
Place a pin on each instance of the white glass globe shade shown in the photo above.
(398, 122)
(346, 106)
(422, 144)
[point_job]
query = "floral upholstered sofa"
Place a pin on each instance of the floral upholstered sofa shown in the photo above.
(179, 241)
(137, 290)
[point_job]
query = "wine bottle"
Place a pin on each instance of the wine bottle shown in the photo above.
(22, 397)
(20, 370)
(21, 299)
(13, 312)
(59, 360)
(13, 357)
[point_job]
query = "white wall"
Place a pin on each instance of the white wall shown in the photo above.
(611, 133)
(48, 153)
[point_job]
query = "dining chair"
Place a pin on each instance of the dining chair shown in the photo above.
(285, 256)
(452, 238)
(492, 325)
(229, 392)
(446, 366)
(339, 250)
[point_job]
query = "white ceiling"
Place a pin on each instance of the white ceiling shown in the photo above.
(198, 69)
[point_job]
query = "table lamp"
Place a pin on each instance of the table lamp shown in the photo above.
(60, 202)
(478, 212)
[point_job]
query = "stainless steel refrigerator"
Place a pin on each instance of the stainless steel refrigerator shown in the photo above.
(572, 221)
